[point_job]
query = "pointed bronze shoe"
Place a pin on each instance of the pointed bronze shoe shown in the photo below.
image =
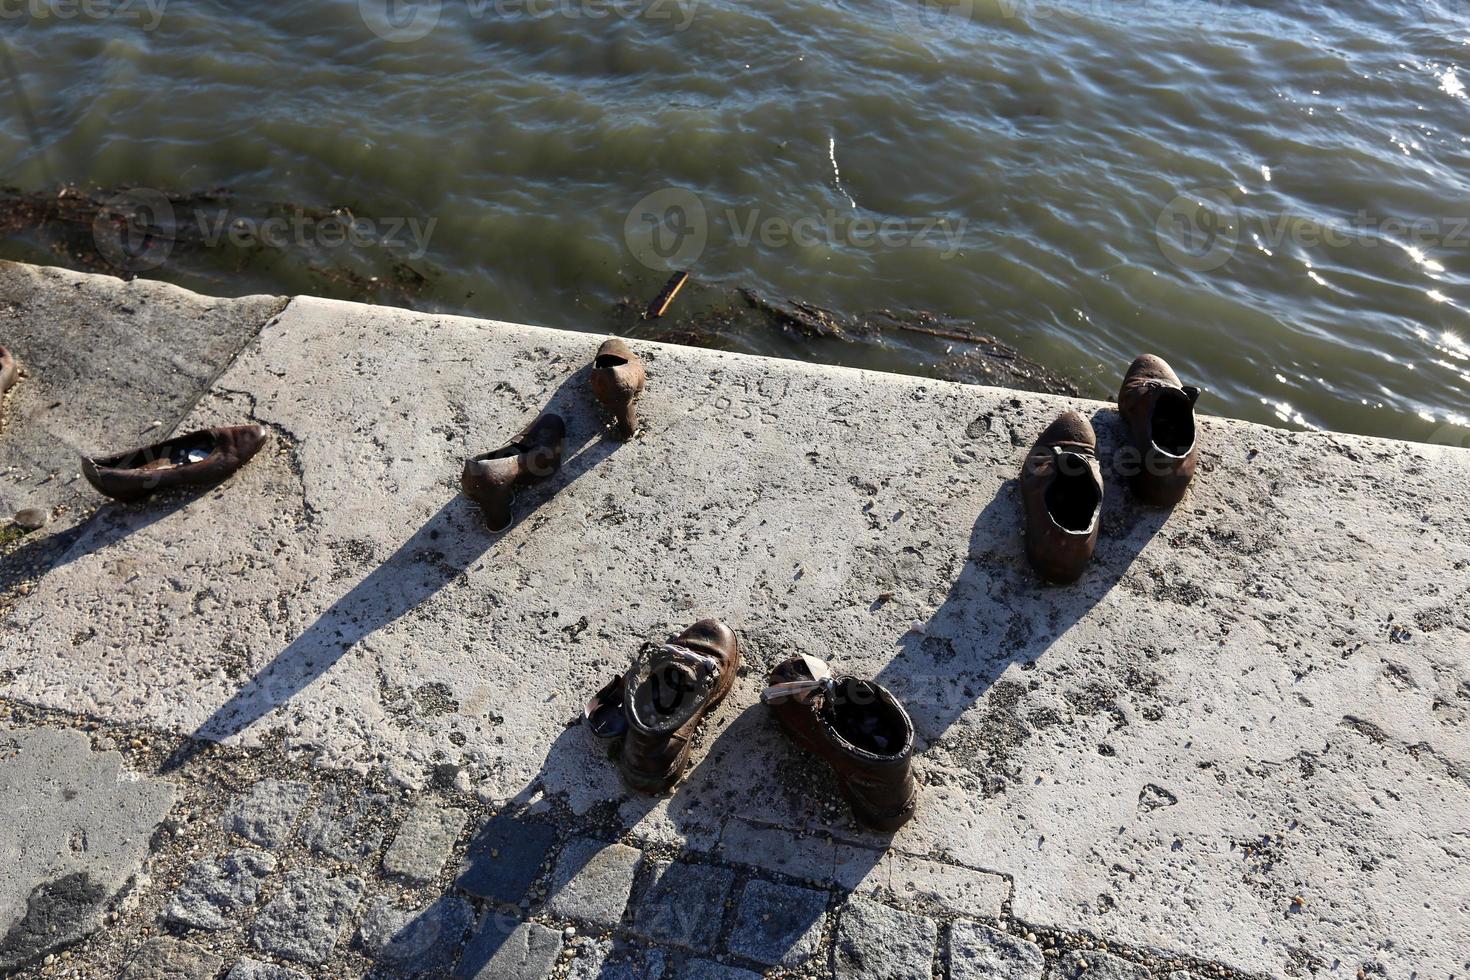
(490, 479)
(201, 458)
(855, 726)
(1160, 416)
(1062, 492)
(667, 693)
(9, 375)
(617, 381)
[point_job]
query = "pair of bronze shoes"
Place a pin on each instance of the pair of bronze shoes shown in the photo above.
(491, 479)
(855, 726)
(1061, 481)
(202, 458)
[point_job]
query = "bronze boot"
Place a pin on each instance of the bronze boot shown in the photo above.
(617, 381)
(1062, 491)
(667, 693)
(855, 726)
(199, 458)
(1160, 416)
(490, 479)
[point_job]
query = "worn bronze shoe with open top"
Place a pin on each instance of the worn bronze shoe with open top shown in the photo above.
(662, 700)
(1062, 493)
(858, 728)
(490, 479)
(617, 380)
(201, 458)
(1159, 412)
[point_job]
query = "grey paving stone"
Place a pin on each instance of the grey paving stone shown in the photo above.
(809, 858)
(170, 959)
(267, 813)
(875, 942)
(214, 891)
(588, 957)
(248, 969)
(424, 842)
(347, 826)
(1094, 965)
(507, 950)
(302, 921)
(778, 925)
(52, 891)
(978, 952)
(505, 857)
(593, 880)
(684, 905)
(422, 942)
(710, 970)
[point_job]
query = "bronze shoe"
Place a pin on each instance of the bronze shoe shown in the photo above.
(1062, 491)
(617, 381)
(9, 375)
(533, 455)
(666, 694)
(1160, 416)
(199, 458)
(855, 726)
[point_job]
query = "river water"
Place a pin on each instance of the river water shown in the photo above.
(1271, 195)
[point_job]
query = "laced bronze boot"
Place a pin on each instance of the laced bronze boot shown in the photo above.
(855, 726)
(667, 693)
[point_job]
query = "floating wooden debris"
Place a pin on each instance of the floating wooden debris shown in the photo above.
(665, 299)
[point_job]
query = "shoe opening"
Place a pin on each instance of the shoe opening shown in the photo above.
(668, 691)
(182, 451)
(610, 361)
(505, 452)
(864, 717)
(1073, 499)
(1173, 423)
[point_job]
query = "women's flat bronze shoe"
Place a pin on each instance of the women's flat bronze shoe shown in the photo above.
(200, 458)
(1160, 416)
(490, 479)
(855, 726)
(1062, 492)
(668, 691)
(617, 381)
(9, 375)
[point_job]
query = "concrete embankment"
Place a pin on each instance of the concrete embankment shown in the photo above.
(1240, 738)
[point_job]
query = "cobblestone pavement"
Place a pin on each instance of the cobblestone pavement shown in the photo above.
(265, 868)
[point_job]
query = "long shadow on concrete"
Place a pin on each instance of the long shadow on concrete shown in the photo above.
(433, 557)
(997, 613)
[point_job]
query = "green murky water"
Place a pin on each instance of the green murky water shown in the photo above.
(1271, 195)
